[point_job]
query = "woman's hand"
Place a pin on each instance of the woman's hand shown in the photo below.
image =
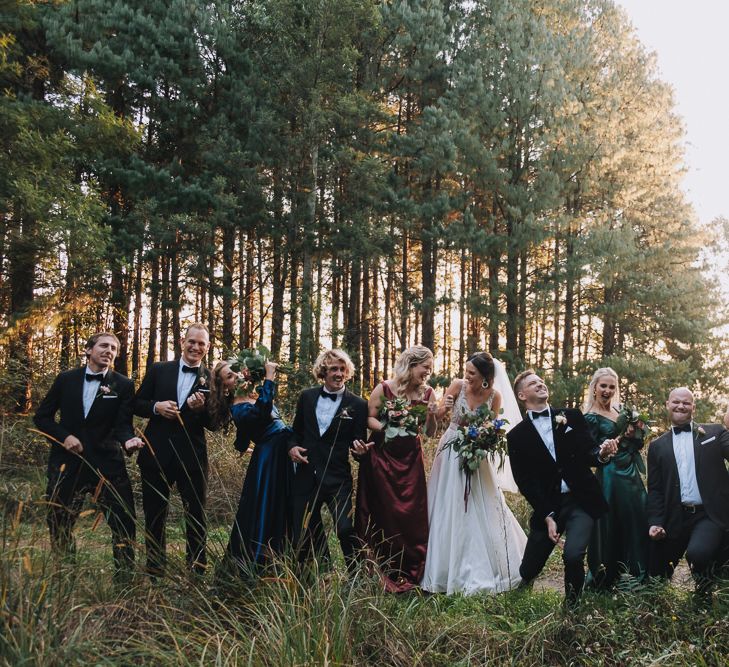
(270, 367)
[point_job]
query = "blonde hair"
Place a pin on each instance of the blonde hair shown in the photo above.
(408, 359)
(319, 370)
(590, 398)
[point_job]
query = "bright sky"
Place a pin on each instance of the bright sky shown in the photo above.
(690, 40)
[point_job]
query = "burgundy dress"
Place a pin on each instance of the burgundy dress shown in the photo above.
(392, 507)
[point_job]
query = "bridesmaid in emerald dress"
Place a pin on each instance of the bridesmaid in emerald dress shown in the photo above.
(619, 542)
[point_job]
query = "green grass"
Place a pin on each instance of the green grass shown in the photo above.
(69, 612)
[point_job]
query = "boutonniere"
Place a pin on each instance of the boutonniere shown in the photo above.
(202, 381)
(560, 418)
(105, 390)
(700, 430)
(344, 414)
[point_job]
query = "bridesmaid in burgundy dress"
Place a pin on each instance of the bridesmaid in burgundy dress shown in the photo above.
(392, 497)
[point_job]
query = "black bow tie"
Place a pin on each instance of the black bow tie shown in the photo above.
(543, 413)
(686, 428)
(188, 369)
(94, 377)
(326, 394)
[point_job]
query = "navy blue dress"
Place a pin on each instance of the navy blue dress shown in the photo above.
(262, 522)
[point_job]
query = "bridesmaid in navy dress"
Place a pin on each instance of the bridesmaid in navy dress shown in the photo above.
(262, 522)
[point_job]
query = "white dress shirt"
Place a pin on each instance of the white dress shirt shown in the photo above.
(184, 383)
(544, 428)
(683, 450)
(91, 389)
(326, 408)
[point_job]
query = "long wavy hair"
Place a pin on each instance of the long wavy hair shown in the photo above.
(402, 371)
(590, 398)
(219, 399)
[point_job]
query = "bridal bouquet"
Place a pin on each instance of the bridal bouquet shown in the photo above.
(400, 419)
(481, 436)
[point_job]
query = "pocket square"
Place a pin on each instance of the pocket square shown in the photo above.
(713, 437)
(567, 429)
(105, 397)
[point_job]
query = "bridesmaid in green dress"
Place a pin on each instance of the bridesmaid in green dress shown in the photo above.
(619, 542)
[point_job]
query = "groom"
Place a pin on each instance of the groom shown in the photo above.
(551, 453)
(688, 492)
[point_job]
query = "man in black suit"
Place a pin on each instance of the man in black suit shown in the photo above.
(172, 395)
(688, 492)
(88, 444)
(551, 452)
(329, 421)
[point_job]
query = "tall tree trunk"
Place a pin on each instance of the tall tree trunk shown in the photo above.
(154, 306)
(137, 331)
(228, 238)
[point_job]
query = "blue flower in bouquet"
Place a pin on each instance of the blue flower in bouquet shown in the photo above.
(499, 423)
(472, 432)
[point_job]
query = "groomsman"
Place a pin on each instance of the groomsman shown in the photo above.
(88, 443)
(688, 492)
(551, 453)
(172, 395)
(329, 421)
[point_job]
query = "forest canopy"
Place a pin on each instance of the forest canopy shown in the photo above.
(501, 175)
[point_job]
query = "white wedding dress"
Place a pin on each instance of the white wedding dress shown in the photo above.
(479, 549)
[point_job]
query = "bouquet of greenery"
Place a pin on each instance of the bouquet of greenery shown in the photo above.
(631, 416)
(250, 364)
(399, 418)
(482, 435)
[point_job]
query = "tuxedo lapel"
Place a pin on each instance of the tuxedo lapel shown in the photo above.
(346, 400)
(108, 382)
(533, 434)
(76, 395)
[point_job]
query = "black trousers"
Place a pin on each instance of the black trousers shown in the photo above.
(192, 485)
(577, 525)
(112, 495)
(699, 538)
(309, 536)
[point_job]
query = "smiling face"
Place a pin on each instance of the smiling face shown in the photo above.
(101, 356)
(605, 389)
(533, 392)
(680, 406)
(195, 346)
(228, 377)
(421, 372)
(473, 378)
(335, 375)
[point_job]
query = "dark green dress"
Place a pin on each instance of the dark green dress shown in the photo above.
(619, 542)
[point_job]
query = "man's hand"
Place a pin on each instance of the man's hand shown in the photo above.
(552, 529)
(167, 409)
(657, 533)
(360, 447)
(73, 444)
(296, 454)
(196, 401)
(133, 444)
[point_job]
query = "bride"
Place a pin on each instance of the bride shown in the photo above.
(479, 548)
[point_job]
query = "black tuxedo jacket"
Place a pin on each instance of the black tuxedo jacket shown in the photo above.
(539, 476)
(102, 432)
(711, 449)
(328, 454)
(169, 439)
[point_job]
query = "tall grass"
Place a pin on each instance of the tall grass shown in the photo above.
(68, 611)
